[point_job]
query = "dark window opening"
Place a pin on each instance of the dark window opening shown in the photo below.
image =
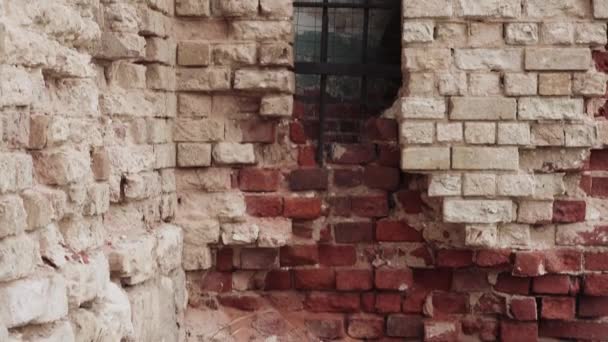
(347, 64)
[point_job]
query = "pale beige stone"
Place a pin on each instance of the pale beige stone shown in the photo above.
(589, 84)
(233, 153)
(262, 30)
(485, 158)
(449, 132)
(558, 59)
(198, 130)
(132, 259)
(193, 154)
(485, 34)
(481, 235)
(555, 84)
(557, 32)
(518, 84)
(240, 233)
(18, 257)
(513, 133)
(557, 8)
(483, 108)
(432, 8)
(600, 9)
(553, 159)
(425, 158)
(479, 184)
(214, 78)
(417, 132)
(477, 211)
(522, 33)
(192, 7)
(489, 59)
(489, 8)
(453, 83)
(535, 212)
(580, 135)
(193, 53)
(590, 33)
(13, 216)
(480, 133)
(426, 59)
(519, 185)
(423, 108)
(548, 135)
(445, 185)
(421, 31)
(264, 80)
(234, 54)
(484, 84)
(514, 235)
(277, 105)
(554, 108)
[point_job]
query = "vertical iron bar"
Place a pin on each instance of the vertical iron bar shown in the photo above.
(364, 56)
(323, 85)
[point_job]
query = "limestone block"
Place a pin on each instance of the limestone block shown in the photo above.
(277, 8)
(193, 154)
(580, 135)
(15, 171)
(423, 108)
(239, 233)
(555, 84)
(226, 206)
(548, 135)
(62, 166)
(276, 53)
(264, 80)
(485, 34)
(236, 8)
(160, 77)
(137, 103)
(419, 31)
(86, 279)
(194, 105)
(432, 8)
(553, 159)
(168, 206)
(445, 185)
(262, 30)
(59, 331)
(522, 33)
(206, 180)
(193, 53)
(554, 108)
(556, 33)
(19, 87)
(557, 9)
(159, 131)
(212, 78)
(602, 132)
(233, 153)
(18, 257)
(417, 132)
(590, 33)
(133, 259)
(121, 17)
(549, 186)
(483, 108)
(489, 8)
(199, 231)
(121, 45)
(481, 235)
(589, 84)
(167, 180)
(449, 132)
(600, 9)
(485, 84)
(39, 125)
(485, 158)
(426, 59)
(169, 249)
(479, 184)
(480, 132)
(126, 75)
(153, 23)
(514, 235)
(159, 50)
(535, 212)
(234, 54)
(81, 233)
(113, 313)
(518, 84)
(421, 84)
(205, 130)
(274, 232)
(51, 245)
(38, 207)
(425, 158)
(197, 258)
(277, 105)
(507, 59)
(13, 216)
(477, 211)
(558, 59)
(513, 133)
(519, 185)
(453, 83)
(85, 325)
(141, 186)
(193, 8)
(165, 156)
(36, 300)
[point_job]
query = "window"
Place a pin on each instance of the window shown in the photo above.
(347, 64)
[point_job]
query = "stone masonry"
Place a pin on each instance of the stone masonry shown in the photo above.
(158, 181)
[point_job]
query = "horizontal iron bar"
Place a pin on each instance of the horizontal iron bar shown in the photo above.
(379, 70)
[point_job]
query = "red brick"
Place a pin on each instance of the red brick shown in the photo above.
(489, 304)
(599, 187)
(592, 307)
(569, 211)
(278, 280)
(454, 258)
(286, 300)
(414, 300)
(370, 206)
(381, 129)
(259, 258)
(596, 261)
(302, 229)
(302, 208)
(332, 302)
(348, 178)
(307, 156)
(411, 201)
(388, 302)
(448, 303)
(351, 280)
(469, 280)
(529, 264)
(523, 308)
(325, 329)
(592, 236)
(493, 258)
(297, 133)
(583, 330)
(389, 155)
(514, 285)
(586, 184)
(314, 279)
(216, 282)
(557, 308)
(596, 284)
(339, 206)
(353, 153)
(382, 177)
(433, 279)
(552, 284)
(397, 231)
(601, 60)
(598, 160)
(563, 261)
(365, 327)
(368, 302)
(354, 232)
(259, 180)
(424, 253)
(299, 255)
(224, 260)
(440, 331)
(511, 331)
(393, 279)
(257, 131)
(264, 206)
(337, 255)
(410, 326)
(308, 179)
(241, 302)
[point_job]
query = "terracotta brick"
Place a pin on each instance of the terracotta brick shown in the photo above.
(558, 308)
(297, 133)
(302, 207)
(596, 261)
(347, 178)
(397, 231)
(388, 302)
(264, 206)
(414, 301)
(308, 179)
(325, 329)
(563, 261)
(514, 285)
(381, 129)
(493, 258)
(592, 307)
(299, 255)
(337, 255)
(314, 279)
(596, 284)
(393, 279)
(354, 232)
(511, 331)
(381, 177)
(339, 206)
(370, 206)
(569, 211)
(433, 279)
(365, 327)
(306, 156)
(410, 326)
(454, 258)
(523, 308)
(241, 302)
(489, 304)
(601, 60)
(389, 155)
(224, 259)
(257, 131)
(259, 180)
(354, 280)
(353, 153)
(216, 282)
(583, 330)
(598, 187)
(529, 264)
(368, 302)
(278, 280)
(259, 258)
(469, 280)
(411, 201)
(598, 160)
(332, 302)
(448, 303)
(552, 284)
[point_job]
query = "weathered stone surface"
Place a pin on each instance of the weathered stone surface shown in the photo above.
(19, 256)
(557, 59)
(477, 211)
(133, 259)
(485, 158)
(473, 108)
(425, 158)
